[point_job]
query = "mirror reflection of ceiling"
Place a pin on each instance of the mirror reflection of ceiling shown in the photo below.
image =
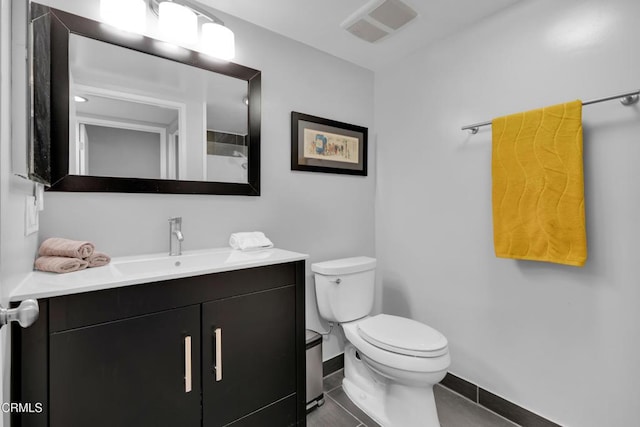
(98, 64)
(107, 108)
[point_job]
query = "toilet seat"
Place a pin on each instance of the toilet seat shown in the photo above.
(390, 358)
(402, 336)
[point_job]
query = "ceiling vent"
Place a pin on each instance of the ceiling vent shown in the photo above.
(378, 19)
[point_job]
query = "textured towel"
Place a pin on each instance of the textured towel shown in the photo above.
(56, 246)
(247, 241)
(538, 185)
(59, 264)
(98, 259)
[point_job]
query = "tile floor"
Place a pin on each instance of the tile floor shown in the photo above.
(453, 409)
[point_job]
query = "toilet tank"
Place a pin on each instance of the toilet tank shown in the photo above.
(345, 288)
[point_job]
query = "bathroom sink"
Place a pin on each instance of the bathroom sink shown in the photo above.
(198, 261)
(167, 264)
(151, 265)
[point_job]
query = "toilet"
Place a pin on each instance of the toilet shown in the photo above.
(391, 363)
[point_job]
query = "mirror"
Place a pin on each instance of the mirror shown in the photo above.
(128, 113)
(120, 137)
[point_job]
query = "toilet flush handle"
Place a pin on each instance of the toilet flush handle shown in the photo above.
(337, 280)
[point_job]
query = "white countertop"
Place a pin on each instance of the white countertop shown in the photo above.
(135, 270)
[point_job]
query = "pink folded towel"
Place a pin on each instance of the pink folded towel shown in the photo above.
(56, 246)
(59, 264)
(98, 259)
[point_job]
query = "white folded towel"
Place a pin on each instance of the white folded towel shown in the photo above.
(247, 241)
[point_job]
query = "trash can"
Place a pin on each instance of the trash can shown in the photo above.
(315, 396)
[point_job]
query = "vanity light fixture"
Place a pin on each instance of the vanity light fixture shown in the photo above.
(78, 98)
(128, 15)
(178, 23)
(217, 40)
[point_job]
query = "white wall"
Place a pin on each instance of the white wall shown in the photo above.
(324, 215)
(560, 341)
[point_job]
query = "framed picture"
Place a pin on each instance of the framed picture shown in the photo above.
(323, 145)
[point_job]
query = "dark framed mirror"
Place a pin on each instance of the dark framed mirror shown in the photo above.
(120, 112)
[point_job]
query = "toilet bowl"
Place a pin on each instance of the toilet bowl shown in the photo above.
(391, 362)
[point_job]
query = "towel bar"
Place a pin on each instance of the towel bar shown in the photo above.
(626, 99)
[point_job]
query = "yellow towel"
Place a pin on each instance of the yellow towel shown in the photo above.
(538, 185)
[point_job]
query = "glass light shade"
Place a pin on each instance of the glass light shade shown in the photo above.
(178, 23)
(219, 41)
(128, 15)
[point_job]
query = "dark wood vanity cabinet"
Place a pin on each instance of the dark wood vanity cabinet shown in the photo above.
(257, 356)
(213, 350)
(127, 372)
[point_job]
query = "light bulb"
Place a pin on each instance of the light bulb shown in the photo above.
(178, 23)
(219, 41)
(128, 15)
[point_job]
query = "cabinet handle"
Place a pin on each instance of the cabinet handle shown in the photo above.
(217, 332)
(187, 364)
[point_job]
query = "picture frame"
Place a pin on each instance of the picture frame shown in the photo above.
(329, 146)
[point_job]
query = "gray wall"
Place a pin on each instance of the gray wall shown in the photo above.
(561, 341)
(295, 208)
(122, 152)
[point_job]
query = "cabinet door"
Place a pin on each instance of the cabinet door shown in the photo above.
(143, 371)
(249, 354)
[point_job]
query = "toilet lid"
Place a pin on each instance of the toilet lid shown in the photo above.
(402, 335)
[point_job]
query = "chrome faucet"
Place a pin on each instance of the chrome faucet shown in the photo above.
(175, 236)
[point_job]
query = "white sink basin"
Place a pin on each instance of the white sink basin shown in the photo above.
(187, 262)
(164, 265)
(148, 266)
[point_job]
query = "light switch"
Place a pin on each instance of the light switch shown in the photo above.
(30, 216)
